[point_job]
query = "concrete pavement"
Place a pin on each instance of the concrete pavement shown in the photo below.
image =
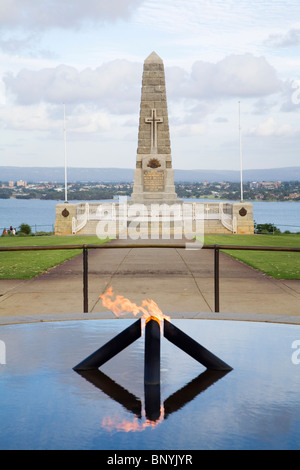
(180, 281)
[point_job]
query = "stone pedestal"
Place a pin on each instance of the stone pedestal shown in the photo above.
(243, 211)
(154, 176)
(64, 214)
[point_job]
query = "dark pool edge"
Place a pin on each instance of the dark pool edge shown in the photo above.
(250, 317)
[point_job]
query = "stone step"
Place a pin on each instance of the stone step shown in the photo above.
(210, 226)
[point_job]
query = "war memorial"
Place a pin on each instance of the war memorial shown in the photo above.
(156, 387)
(154, 210)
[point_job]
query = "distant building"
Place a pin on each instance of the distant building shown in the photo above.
(21, 183)
(270, 184)
(265, 184)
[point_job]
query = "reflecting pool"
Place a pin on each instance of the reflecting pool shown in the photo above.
(45, 404)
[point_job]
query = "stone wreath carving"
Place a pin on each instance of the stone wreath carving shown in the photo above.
(154, 163)
(65, 213)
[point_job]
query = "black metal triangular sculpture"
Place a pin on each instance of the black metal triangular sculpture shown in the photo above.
(112, 348)
(89, 366)
(152, 349)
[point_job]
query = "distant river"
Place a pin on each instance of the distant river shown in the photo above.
(40, 215)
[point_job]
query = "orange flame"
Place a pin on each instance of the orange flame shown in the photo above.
(121, 306)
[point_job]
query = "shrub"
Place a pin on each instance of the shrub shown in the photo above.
(266, 228)
(25, 228)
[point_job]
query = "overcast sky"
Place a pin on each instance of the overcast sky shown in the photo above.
(89, 55)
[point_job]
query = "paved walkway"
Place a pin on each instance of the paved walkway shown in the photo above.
(180, 281)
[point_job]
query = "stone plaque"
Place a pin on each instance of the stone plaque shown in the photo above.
(154, 180)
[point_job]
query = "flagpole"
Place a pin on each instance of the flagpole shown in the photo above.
(241, 158)
(65, 142)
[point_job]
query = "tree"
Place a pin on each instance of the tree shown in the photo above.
(25, 228)
(266, 228)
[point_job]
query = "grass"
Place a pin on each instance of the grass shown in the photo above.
(280, 265)
(26, 265)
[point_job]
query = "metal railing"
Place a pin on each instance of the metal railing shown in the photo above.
(34, 228)
(107, 246)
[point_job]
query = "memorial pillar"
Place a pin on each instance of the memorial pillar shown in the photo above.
(154, 176)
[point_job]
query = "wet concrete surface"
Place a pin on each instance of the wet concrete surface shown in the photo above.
(180, 281)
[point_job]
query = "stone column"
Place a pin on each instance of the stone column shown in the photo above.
(154, 176)
(243, 211)
(64, 214)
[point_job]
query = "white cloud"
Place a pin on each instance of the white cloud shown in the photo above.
(47, 118)
(235, 75)
(30, 118)
(270, 128)
(214, 16)
(264, 105)
(217, 27)
(16, 44)
(221, 120)
(200, 93)
(88, 121)
(62, 14)
(189, 130)
(24, 43)
(243, 75)
(115, 86)
(289, 39)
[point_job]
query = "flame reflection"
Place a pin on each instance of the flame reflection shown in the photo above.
(137, 425)
(152, 413)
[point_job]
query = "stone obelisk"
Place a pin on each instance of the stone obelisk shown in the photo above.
(154, 176)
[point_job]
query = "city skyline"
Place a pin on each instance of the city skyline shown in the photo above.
(89, 57)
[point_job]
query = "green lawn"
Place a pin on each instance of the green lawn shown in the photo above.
(280, 265)
(26, 265)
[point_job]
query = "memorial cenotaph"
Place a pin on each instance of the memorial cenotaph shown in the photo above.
(154, 176)
(154, 201)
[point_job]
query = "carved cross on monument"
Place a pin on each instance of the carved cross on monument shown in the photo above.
(153, 121)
